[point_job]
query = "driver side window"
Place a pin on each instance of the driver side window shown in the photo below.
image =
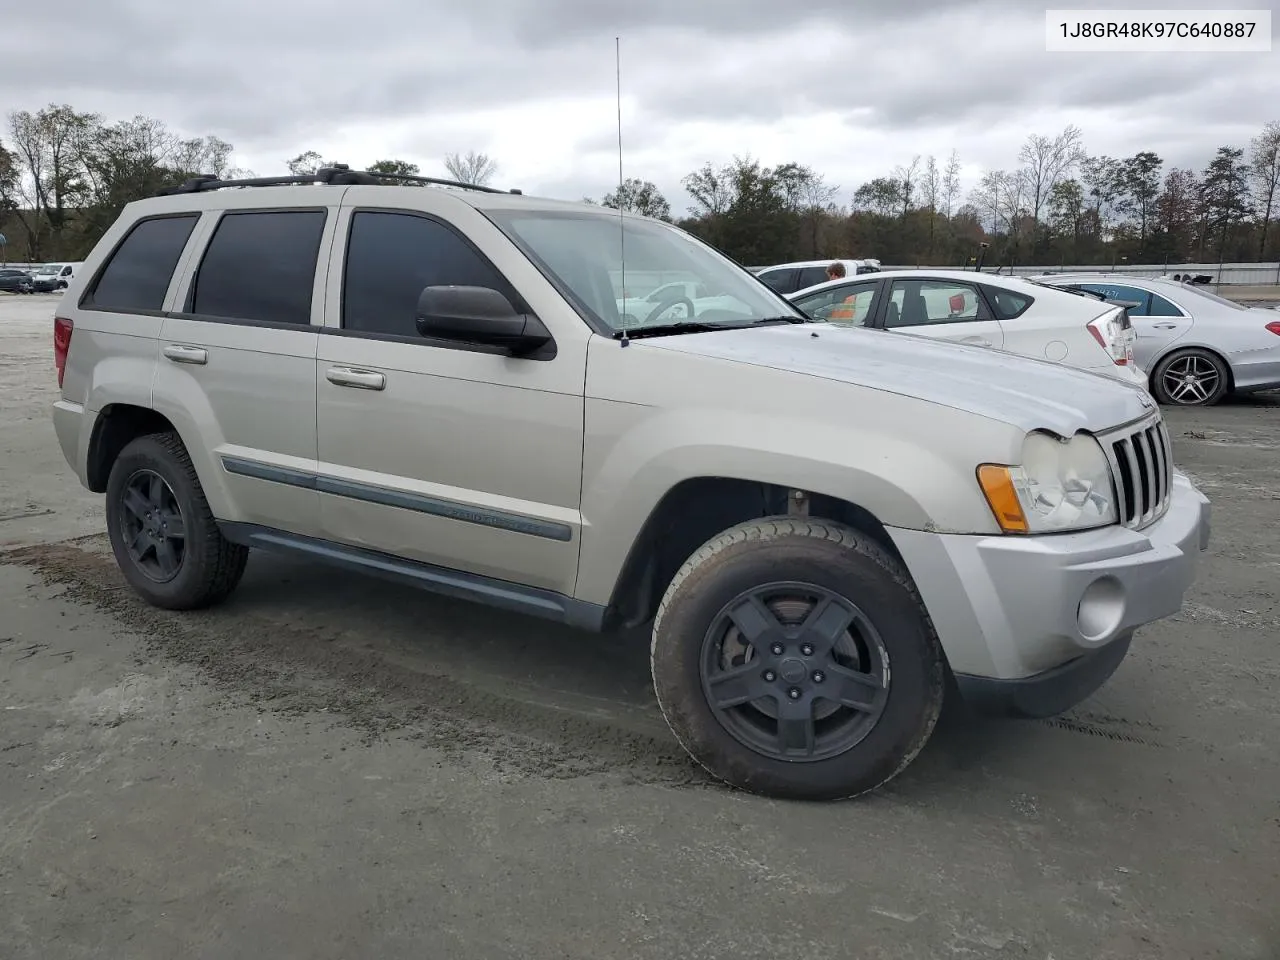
(847, 305)
(391, 256)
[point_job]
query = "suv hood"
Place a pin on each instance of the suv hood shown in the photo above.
(1026, 393)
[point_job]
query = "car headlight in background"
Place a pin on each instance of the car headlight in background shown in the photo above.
(1060, 485)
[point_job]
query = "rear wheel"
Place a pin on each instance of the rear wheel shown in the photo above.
(1190, 378)
(794, 658)
(162, 531)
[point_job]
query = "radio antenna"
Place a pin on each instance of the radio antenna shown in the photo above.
(622, 233)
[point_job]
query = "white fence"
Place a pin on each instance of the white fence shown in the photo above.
(1226, 274)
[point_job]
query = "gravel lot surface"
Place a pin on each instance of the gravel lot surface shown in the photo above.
(332, 767)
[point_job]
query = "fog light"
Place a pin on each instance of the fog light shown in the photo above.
(1101, 609)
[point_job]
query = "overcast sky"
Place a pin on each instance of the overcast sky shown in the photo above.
(848, 90)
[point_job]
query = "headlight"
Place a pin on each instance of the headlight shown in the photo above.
(1060, 485)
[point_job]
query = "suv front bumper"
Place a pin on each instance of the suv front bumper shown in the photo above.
(1033, 625)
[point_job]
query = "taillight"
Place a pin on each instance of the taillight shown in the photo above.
(61, 344)
(1274, 327)
(1114, 336)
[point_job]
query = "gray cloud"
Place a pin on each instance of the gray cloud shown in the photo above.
(917, 76)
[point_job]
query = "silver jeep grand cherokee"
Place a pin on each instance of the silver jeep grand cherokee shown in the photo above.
(822, 525)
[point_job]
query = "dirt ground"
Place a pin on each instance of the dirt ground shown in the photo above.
(332, 767)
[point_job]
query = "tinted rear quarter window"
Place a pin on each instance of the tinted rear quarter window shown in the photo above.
(1006, 303)
(391, 257)
(260, 266)
(138, 274)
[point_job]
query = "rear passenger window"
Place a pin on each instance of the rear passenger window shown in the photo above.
(1160, 307)
(916, 302)
(260, 266)
(782, 281)
(1006, 303)
(137, 275)
(391, 257)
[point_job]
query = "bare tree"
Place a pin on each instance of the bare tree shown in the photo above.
(930, 192)
(1045, 161)
(48, 145)
(906, 176)
(474, 168)
(1014, 194)
(1101, 178)
(1264, 176)
(210, 155)
(807, 194)
(987, 198)
(951, 185)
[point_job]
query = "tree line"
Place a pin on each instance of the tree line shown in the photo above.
(65, 176)
(1058, 205)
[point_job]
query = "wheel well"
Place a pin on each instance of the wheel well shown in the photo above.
(118, 424)
(1231, 378)
(693, 512)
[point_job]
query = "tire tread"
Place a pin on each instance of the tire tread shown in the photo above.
(843, 536)
(222, 562)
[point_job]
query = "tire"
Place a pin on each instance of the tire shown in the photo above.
(784, 563)
(1210, 381)
(206, 566)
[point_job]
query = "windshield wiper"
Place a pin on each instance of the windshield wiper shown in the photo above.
(700, 326)
(667, 329)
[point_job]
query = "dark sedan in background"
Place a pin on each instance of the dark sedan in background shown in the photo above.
(13, 280)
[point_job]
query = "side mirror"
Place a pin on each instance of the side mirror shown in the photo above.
(479, 315)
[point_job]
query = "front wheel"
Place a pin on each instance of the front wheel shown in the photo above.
(794, 658)
(1190, 378)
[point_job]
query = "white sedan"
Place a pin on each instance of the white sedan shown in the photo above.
(1004, 313)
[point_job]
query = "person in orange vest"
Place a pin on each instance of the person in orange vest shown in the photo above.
(845, 310)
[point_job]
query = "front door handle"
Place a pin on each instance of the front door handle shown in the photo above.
(360, 379)
(179, 353)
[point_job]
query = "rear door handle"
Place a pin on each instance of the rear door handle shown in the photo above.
(980, 341)
(1165, 326)
(180, 353)
(360, 379)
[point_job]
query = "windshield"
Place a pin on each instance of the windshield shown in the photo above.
(582, 254)
(44, 270)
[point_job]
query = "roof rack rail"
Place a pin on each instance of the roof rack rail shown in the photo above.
(338, 174)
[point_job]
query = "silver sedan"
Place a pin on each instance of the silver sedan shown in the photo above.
(1195, 346)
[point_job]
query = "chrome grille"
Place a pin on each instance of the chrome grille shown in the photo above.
(1142, 467)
